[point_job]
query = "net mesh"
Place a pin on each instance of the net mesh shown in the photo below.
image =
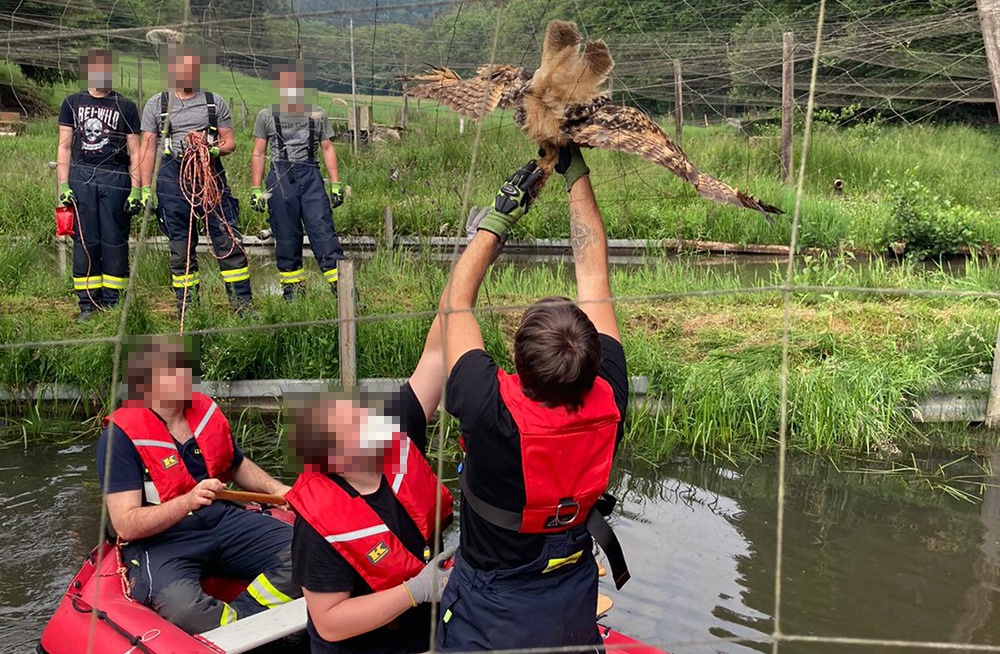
(912, 70)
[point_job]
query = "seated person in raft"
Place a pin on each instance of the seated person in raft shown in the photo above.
(370, 510)
(171, 450)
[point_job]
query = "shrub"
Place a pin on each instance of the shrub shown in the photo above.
(930, 225)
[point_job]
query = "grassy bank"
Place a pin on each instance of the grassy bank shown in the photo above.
(855, 359)
(955, 165)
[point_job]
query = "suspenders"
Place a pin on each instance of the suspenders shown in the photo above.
(282, 150)
(166, 128)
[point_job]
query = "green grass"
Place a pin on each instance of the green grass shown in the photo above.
(713, 362)
(638, 199)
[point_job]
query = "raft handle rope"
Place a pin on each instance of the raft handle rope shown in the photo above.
(135, 641)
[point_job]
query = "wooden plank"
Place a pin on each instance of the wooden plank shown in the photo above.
(388, 232)
(604, 604)
(260, 629)
(989, 21)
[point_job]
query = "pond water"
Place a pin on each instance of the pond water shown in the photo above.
(866, 555)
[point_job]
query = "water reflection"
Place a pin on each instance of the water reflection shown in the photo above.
(866, 556)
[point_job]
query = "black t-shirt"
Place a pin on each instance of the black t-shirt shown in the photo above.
(128, 472)
(100, 127)
(493, 453)
(319, 568)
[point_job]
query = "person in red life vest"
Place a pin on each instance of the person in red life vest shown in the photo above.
(538, 443)
(161, 459)
(370, 512)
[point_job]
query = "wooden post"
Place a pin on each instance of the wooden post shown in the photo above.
(787, 104)
(705, 117)
(356, 114)
(348, 326)
(390, 236)
(138, 79)
(989, 21)
(678, 102)
(369, 125)
(993, 405)
(404, 116)
(461, 125)
(121, 70)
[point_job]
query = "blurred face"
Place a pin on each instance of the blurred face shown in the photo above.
(362, 438)
(98, 74)
(185, 72)
(290, 86)
(170, 386)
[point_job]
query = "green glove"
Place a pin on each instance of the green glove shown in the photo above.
(571, 164)
(214, 151)
(257, 201)
(336, 192)
(134, 204)
(66, 196)
(146, 196)
(513, 200)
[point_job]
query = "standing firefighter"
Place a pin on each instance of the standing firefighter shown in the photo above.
(98, 175)
(193, 129)
(294, 131)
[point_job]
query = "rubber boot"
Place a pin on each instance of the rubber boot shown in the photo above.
(240, 298)
(292, 292)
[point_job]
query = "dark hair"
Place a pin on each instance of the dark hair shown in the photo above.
(151, 355)
(94, 55)
(279, 69)
(557, 353)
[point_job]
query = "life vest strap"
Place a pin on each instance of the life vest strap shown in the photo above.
(596, 524)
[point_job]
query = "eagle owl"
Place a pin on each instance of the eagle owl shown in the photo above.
(565, 102)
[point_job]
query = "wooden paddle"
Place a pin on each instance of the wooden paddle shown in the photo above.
(246, 497)
(604, 604)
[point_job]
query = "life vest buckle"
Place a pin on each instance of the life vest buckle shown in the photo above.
(566, 512)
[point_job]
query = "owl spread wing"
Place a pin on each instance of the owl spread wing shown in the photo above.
(492, 87)
(607, 126)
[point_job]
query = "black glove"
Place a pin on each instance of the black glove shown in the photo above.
(513, 200)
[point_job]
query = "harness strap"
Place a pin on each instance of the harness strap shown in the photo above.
(213, 119)
(509, 520)
(312, 139)
(282, 150)
(597, 526)
(165, 127)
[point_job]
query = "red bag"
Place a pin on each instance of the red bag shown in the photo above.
(64, 221)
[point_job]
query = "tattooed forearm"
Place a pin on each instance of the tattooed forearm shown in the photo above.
(581, 235)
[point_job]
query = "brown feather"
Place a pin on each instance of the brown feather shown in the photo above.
(608, 126)
(497, 86)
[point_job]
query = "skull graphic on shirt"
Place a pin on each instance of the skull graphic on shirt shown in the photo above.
(95, 136)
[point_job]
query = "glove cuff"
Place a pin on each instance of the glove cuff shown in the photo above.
(413, 600)
(497, 223)
(576, 170)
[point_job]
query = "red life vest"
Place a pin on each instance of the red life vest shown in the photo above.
(170, 477)
(565, 458)
(353, 528)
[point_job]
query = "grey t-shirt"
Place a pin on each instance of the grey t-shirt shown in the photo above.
(295, 129)
(185, 116)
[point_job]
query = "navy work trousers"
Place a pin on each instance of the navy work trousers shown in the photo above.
(222, 540)
(100, 239)
(549, 602)
(180, 225)
(298, 200)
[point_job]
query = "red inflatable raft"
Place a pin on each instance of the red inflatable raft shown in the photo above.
(120, 625)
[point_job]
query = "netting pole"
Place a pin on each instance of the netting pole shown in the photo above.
(138, 79)
(989, 21)
(787, 104)
(348, 324)
(354, 97)
(678, 102)
(993, 405)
